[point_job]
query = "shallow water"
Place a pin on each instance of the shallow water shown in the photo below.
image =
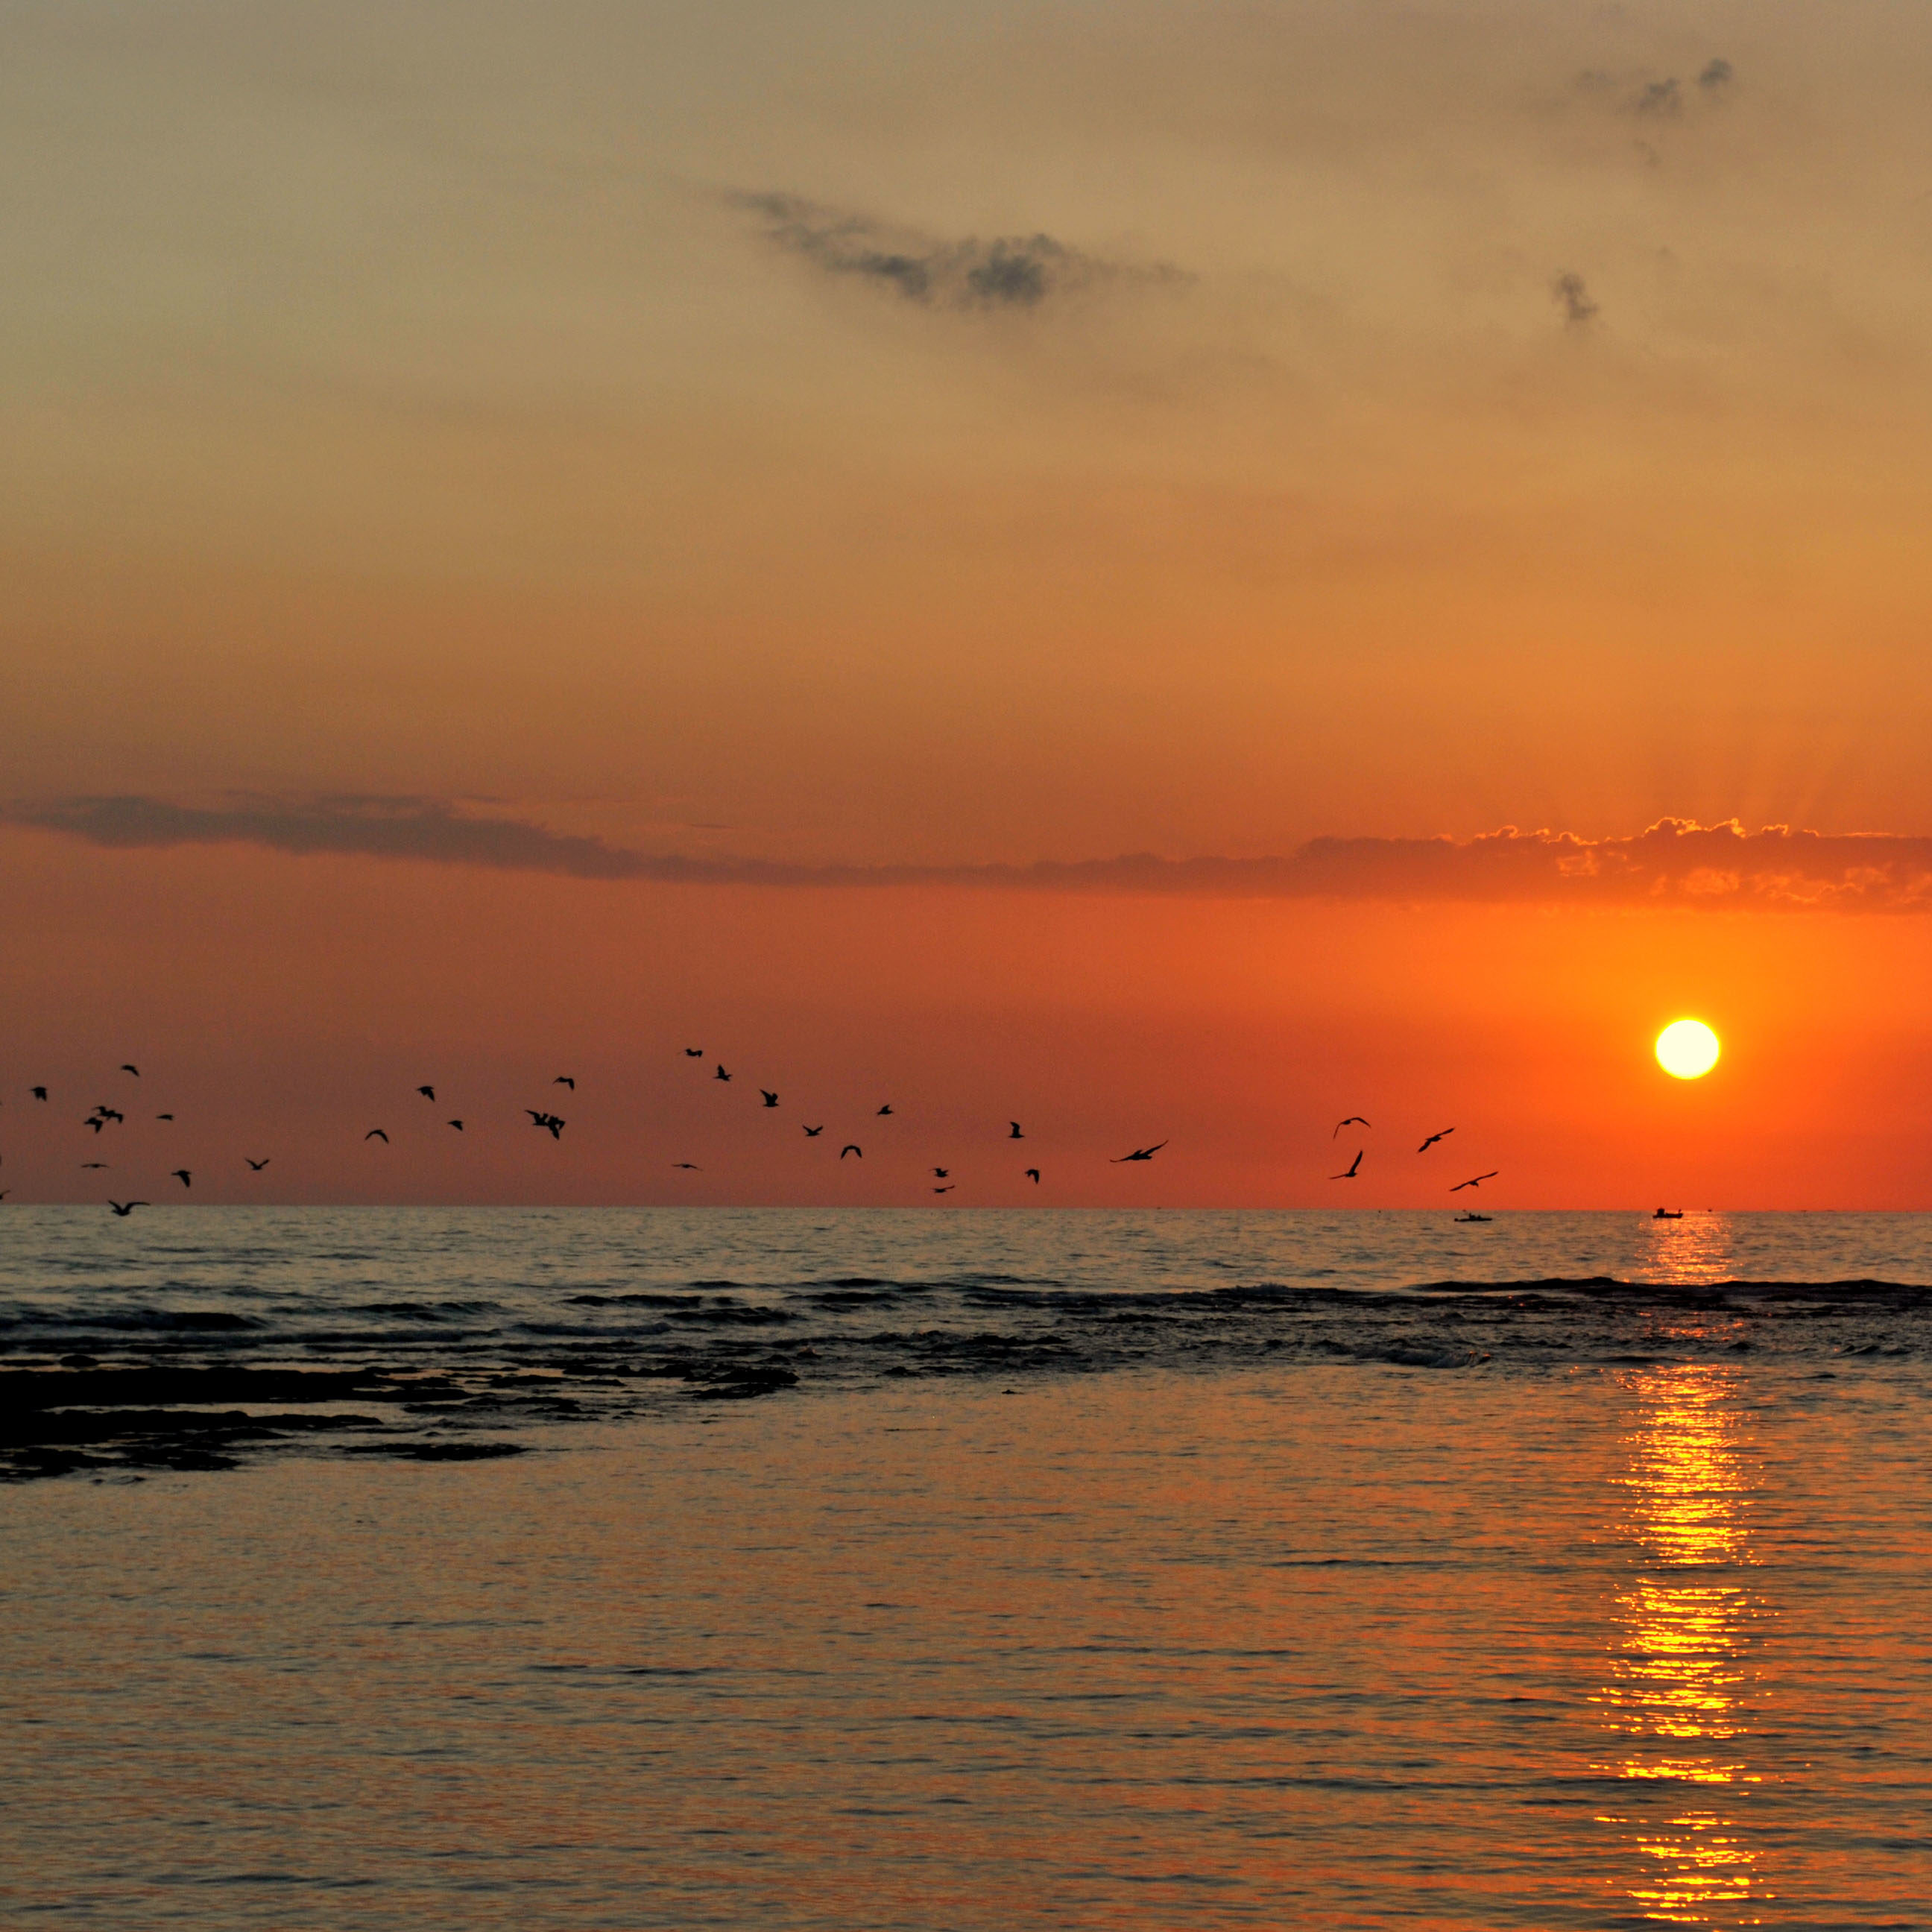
(1575, 1613)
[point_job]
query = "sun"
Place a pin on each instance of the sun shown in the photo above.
(1687, 1049)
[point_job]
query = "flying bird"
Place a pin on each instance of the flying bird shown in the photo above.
(1033, 1174)
(427, 1093)
(376, 1134)
(812, 1133)
(1353, 1121)
(565, 1080)
(86, 1164)
(946, 1189)
(1353, 1168)
(720, 1074)
(851, 1146)
(1478, 1182)
(886, 1109)
(1140, 1153)
(691, 1165)
(771, 1099)
(550, 1121)
(41, 1093)
(457, 1124)
(182, 1174)
(258, 1165)
(942, 1173)
(96, 1121)
(124, 1208)
(694, 1053)
(1015, 1135)
(128, 1066)
(1433, 1139)
(164, 1117)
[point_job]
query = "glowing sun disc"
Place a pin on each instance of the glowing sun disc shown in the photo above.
(1687, 1049)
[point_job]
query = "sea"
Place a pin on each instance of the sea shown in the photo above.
(518, 1568)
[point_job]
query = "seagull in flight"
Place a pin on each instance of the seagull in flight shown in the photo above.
(1139, 1154)
(1033, 1174)
(851, 1146)
(457, 1124)
(376, 1134)
(694, 1053)
(691, 1165)
(885, 1110)
(1433, 1139)
(1353, 1168)
(1015, 1135)
(124, 1208)
(942, 1173)
(164, 1117)
(946, 1189)
(1478, 1182)
(812, 1133)
(720, 1074)
(565, 1080)
(1353, 1121)
(182, 1174)
(550, 1121)
(258, 1165)
(86, 1164)
(427, 1093)
(771, 1099)
(128, 1066)
(41, 1093)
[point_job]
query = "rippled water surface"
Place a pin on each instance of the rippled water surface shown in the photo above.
(638, 1569)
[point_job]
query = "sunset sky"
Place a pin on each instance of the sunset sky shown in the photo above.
(1016, 561)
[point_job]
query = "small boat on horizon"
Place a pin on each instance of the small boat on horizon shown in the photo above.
(1474, 1217)
(1668, 1214)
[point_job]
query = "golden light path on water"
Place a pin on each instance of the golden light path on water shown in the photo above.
(1679, 1699)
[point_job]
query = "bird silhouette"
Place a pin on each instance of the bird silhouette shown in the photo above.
(457, 1124)
(1433, 1139)
(96, 1121)
(1354, 1167)
(1478, 1182)
(812, 1133)
(258, 1165)
(548, 1121)
(694, 1053)
(1139, 1154)
(851, 1146)
(885, 1110)
(124, 1208)
(376, 1134)
(86, 1164)
(771, 1099)
(720, 1074)
(182, 1174)
(942, 1190)
(690, 1166)
(427, 1093)
(128, 1066)
(565, 1080)
(1015, 1135)
(164, 1117)
(41, 1093)
(1353, 1121)
(941, 1173)
(1033, 1174)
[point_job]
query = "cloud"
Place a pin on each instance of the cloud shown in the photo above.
(1008, 272)
(1718, 75)
(1573, 295)
(1676, 863)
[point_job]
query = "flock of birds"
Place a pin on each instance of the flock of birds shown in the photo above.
(544, 1120)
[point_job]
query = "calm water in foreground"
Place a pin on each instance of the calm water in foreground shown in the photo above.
(627, 1569)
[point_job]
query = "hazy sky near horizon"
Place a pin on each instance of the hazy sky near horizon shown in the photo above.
(939, 437)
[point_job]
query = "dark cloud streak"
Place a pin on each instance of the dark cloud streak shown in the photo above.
(1676, 863)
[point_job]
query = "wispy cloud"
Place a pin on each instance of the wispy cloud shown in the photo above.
(1676, 863)
(1010, 272)
(1572, 294)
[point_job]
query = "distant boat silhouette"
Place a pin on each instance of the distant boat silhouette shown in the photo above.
(1473, 1217)
(1668, 1214)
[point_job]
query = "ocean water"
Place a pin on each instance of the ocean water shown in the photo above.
(650, 1568)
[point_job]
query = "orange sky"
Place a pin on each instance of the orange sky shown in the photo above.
(884, 436)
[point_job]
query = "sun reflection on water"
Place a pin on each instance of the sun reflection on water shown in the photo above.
(1678, 1700)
